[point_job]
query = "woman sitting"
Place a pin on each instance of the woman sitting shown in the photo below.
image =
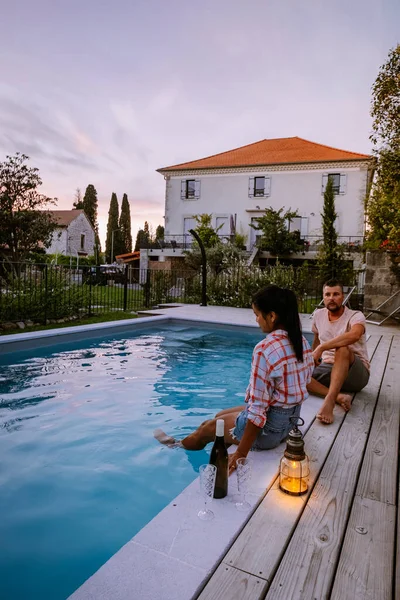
(282, 365)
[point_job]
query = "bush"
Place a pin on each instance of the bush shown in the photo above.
(41, 294)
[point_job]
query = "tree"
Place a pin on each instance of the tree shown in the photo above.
(160, 232)
(142, 237)
(24, 225)
(385, 106)
(330, 258)
(113, 239)
(207, 233)
(385, 112)
(78, 204)
(89, 205)
(275, 235)
(384, 218)
(125, 226)
(383, 204)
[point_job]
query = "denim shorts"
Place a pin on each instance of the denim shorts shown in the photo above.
(275, 430)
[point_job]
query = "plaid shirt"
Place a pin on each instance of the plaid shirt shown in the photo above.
(277, 377)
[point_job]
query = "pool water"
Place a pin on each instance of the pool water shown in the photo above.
(80, 471)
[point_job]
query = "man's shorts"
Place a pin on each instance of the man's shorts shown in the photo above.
(357, 377)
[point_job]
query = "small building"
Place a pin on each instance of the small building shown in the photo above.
(74, 235)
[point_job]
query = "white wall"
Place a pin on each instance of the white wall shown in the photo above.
(68, 240)
(226, 194)
(58, 242)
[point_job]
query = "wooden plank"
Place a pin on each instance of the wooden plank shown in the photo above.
(378, 477)
(233, 584)
(397, 570)
(366, 560)
(277, 515)
(365, 570)
(309, 563)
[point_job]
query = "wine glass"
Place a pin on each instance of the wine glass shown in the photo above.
(207, 484)
(243, 474)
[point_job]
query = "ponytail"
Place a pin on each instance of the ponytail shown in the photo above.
(283, 302)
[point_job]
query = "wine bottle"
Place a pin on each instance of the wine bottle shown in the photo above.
(219, 458)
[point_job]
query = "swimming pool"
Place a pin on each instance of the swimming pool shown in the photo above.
(80, 470)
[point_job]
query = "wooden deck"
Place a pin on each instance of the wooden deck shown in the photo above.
(339, 540)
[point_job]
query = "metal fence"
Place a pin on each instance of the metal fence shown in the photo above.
(44, 293)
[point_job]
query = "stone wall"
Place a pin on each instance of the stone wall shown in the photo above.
(380, 281)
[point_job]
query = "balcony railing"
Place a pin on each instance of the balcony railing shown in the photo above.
(351, 243)
(180, 242)
(311, 243)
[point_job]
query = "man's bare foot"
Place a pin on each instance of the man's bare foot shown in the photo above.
(165, 439)
(325, 415)
(344, 400)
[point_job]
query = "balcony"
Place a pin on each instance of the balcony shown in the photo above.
(312, 243)
(177, 242)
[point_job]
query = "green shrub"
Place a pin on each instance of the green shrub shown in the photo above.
(41, 294)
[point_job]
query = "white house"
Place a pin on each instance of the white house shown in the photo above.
(236, 186)
(74, 235)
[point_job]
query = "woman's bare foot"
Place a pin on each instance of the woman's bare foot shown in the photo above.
(165, 439)
(344, 400)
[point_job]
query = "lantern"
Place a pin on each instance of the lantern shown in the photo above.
(294, 469)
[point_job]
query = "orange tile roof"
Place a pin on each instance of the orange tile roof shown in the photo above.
(271, 152)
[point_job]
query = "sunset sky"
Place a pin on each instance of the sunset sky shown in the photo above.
(106, 92)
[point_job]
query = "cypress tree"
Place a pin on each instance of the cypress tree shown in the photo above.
(330, 259)
(125, 226)
(113, 232)
(89, 205)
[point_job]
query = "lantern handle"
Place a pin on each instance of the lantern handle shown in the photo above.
(296, 421)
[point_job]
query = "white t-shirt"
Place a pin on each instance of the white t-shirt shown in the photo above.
(327, 330)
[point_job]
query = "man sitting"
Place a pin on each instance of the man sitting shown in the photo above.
(339, 350)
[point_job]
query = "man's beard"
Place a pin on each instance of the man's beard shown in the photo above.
(335, 308)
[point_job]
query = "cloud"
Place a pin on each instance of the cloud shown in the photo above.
(29, 128)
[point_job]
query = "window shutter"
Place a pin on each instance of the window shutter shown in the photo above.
(304, 227)
(183, 189)
(197, 188)
(324, 183)
(251, 187)
(343, 183)
(267, 186)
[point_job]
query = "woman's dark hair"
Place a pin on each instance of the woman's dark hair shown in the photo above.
(283, 302)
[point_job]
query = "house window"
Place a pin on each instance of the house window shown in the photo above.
(82, 241)
(259, 186)
(190, 189)
(339, 181)
(335, 178)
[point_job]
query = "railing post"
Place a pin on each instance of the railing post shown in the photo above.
(89, 269)
(126, 288)
(45, 293)
(147, 289)
(203, 269)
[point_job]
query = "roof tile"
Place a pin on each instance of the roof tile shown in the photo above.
(271, 152)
